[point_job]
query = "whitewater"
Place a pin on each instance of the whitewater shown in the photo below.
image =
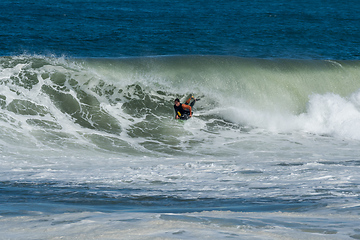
(90, 148)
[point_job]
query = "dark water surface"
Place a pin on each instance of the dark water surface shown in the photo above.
(112, 28)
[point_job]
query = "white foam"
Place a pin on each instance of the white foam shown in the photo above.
(333, 115)
(328, 114)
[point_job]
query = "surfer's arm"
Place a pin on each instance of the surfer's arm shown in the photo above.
(184, 106)
(188, 101)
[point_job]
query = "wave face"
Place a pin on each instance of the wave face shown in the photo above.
(126, 105)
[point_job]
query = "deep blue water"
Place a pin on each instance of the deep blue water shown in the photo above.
(112, 28)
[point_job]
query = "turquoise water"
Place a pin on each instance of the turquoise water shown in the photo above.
(89, 147)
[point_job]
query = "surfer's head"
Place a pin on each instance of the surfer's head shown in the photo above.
(177, 102)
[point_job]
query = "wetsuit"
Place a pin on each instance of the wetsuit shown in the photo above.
(184, 110)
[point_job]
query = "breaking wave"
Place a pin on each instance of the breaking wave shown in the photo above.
(126, 105)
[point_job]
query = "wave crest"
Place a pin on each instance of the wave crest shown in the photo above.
(128, 102)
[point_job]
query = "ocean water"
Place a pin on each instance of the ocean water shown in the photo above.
(90, 149)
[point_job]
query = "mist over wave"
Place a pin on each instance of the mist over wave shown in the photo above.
(126, 105)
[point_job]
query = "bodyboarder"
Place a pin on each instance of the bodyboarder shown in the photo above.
(184, 111)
